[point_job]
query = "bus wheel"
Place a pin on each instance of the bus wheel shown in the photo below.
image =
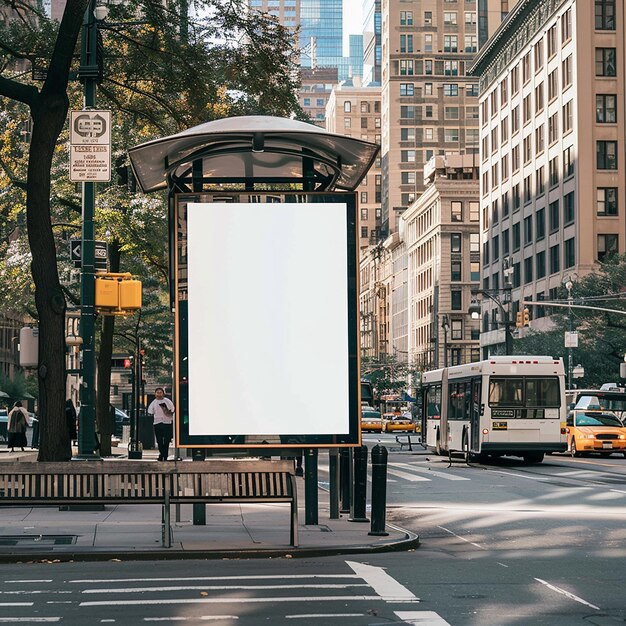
(533, 457)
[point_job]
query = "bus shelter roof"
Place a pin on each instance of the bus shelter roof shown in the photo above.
(253, 149)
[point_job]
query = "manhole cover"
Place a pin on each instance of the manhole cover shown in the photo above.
(37, 540)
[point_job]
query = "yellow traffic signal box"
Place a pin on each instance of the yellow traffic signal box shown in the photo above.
(518, 319)
(117, 294)
(526, 317)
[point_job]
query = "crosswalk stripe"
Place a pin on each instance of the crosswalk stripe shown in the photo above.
(229, 600)
(422, 618)
(410, 477)
(217, 588)
(413, 468)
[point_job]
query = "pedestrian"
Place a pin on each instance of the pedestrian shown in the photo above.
(162, 411)
(16, 427)
(70, 420)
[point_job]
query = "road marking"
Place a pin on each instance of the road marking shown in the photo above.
(153, 601)
(219, 588)
(205, 618)
(503, 565)
(24, 620)
(384, 585)
(519, 475)
(251, 577)
(567, 594)
(461, 538)
(411, 477)
(617, 490)
(43, 580)
(429, 472)
(323, 615)
(422, 618)
(16, 603)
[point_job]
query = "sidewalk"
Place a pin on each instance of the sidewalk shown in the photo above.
(134, 531)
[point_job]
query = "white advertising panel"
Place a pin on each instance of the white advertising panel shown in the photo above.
(267, 319)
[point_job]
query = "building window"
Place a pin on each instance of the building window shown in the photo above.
(470, 43)
(526, 68)
(606, 108)
(407, 156)
(407, 112)
(606, 155)
(406, 43)
(347, 106)
(539, 139)
(450, 43)
(553, 171)
(450, 89)
(406, 18)
(475, 271)
(504, 130)
(428, 17)
(528, 270)
(406, 89)
(474, 211)
(451, 135)
(515, 79)
(456, 211)
(538, 53)
(364, 232)
(553, 128)
(449, 17)
(428, 43)
(471, 90)
(506, 244)
(515, 120)
(566, 75)
(552, 41)
(553, 215)
(569, 251)
(528, 230)
(516, 237)
(569, 212)
(527, 109)
(607, 245)
(540, 182)
(486, 253)
(528, 149)
(474, 242)
(455, 271)
(451, 113)
(567, 117)
(605, 14)
(540, 264)
(347, 122)
(364, 200)
(455, 242)
(306, 102)
(540, 224)
(428, 67)
(407, 178)
(407, 134)
(568, 162)
(528, 188)
(605, 62)
(566, 26)
(428, 89)
(495, 245)
(455, 299)
(555, 259)
(363, 214)
(505, 204)
(517, 200)
(451, 68)
(517, 279)
(406, 67)
(553, 78)
(606, 202)
(457, 333)
(515, 159)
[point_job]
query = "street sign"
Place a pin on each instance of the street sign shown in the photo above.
(101, 254)
(90, 146)
(571, 339)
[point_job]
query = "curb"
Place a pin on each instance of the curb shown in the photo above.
(410, 541)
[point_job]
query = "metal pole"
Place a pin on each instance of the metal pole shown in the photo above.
(199, 509)
(88, 72)
(333, 462)
(344, 478)
(379, 490)
(570, 327)
(310, 487)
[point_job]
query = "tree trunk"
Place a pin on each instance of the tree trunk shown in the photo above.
(103, 417)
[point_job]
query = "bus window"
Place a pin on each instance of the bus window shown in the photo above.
(542, 392)
(433, 402)
(506, 391)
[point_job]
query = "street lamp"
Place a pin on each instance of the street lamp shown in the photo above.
(445, 324)
(571, 338)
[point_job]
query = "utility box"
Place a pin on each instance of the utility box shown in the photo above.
(107, 293)
(130, 295)
(29, 347)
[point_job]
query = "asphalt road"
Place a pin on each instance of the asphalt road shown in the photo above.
(502, 544)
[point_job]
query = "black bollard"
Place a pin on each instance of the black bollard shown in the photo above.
(199, 510)
(310, 487)
(379, 490)
(345, 480)
(360, 486)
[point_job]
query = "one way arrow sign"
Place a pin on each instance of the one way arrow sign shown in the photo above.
(101, 254)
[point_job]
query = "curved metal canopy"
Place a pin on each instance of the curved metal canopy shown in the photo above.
(253, 148)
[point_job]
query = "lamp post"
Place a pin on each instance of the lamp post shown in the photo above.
(445, 324)
(571, 339)
(89, 73)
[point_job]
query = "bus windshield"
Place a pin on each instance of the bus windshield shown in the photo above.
(523, 391)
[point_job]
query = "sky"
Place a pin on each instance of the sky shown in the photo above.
(352, 21)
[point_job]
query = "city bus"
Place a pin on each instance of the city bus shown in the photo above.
(610, 398)
(505, 405)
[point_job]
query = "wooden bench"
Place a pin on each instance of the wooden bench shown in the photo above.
(149, 482)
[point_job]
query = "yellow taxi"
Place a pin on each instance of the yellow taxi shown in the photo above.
(371, 420)
(393, 422)
(595, 431)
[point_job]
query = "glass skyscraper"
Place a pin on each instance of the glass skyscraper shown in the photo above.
(321, 33)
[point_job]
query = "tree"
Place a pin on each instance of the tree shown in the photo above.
(601, 335)
(164, 72)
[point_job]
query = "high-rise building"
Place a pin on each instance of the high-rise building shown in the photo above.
(429, 104)
(372, 48)
(553, 184)
(321, 32)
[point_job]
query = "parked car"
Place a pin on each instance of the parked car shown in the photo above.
(595, 431)
(402, 423)
(371, 421)
(121, 419)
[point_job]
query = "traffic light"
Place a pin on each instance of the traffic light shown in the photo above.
(526, 317)
(518, 319)
(128, 363)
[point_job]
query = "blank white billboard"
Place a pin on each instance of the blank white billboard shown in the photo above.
(267, 319)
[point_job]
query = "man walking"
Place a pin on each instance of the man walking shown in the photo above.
(162, 411)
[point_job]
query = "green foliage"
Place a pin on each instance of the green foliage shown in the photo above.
(18, 388)
(388, 374)
(601, 335)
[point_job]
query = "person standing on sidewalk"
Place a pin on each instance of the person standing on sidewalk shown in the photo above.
(162, 411)
(16, 426)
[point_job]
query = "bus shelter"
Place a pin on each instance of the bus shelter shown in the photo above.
(263, 247)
